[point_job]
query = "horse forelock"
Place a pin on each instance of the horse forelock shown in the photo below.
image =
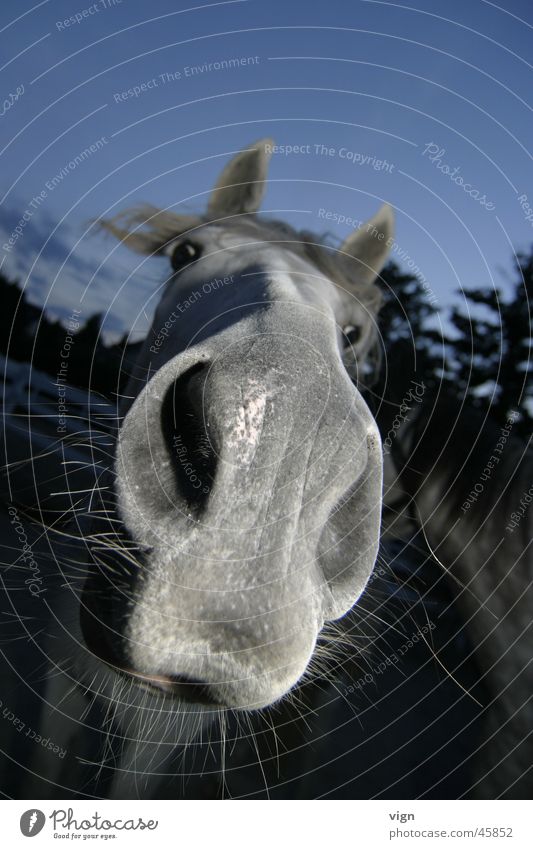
(149, 230)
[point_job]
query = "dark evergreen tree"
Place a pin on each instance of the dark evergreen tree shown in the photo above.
(490, 362)
(18, 320)
(412, 350)
(28, 335)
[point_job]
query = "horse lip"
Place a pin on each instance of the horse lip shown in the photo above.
(168, 687)
(164, 687)
(191, 692)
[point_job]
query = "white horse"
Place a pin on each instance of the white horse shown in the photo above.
(241, 508)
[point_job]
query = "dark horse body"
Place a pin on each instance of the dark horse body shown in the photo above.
(461, 478)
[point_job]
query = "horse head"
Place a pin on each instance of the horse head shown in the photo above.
(244, 499)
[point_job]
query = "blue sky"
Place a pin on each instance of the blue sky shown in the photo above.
(434, 92)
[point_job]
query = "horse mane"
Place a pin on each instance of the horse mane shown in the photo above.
(452, 445)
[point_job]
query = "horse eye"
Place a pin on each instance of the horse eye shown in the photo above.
(184, 254)
(351, 335)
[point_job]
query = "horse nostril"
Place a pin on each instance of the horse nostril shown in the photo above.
(188, 439)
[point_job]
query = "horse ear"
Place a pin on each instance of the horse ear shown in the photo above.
(371, 243)
(241, 185)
